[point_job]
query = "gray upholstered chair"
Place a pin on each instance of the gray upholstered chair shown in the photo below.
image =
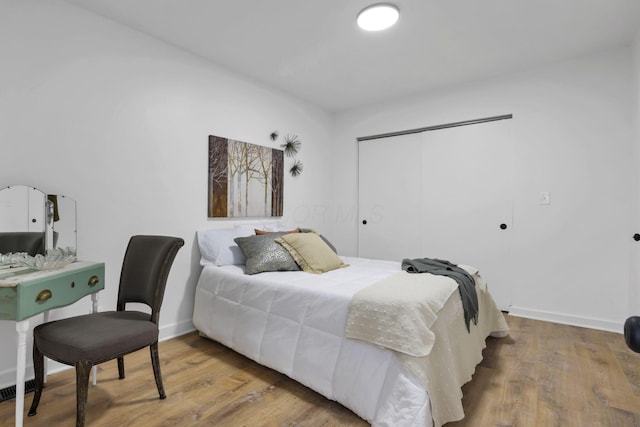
(632, 333)
(88, 340)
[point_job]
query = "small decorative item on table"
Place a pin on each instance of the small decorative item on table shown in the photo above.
(54, 259)
(10, 258)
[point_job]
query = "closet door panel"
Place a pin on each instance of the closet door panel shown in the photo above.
(389, 192)
(467, 201)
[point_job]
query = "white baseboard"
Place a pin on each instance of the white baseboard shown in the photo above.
(175, 330)
(564, 319)
(8, 376)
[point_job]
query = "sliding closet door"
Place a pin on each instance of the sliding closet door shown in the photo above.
(389, 191)
(467, 200)
(443, 194)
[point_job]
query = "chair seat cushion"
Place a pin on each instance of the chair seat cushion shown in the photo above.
(95, 337)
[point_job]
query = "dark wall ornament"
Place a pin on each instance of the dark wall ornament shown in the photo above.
(296, 169)
(291, 145)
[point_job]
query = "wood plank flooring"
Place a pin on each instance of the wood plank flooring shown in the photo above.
(546, 374)
(543, 374)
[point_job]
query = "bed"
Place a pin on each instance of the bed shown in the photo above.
(295, 321)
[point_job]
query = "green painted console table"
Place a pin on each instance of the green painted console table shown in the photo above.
(25, 292)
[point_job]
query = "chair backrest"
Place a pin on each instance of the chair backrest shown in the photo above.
(145, 269)
(632, 333)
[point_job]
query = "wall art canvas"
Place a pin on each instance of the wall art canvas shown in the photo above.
(245, 180)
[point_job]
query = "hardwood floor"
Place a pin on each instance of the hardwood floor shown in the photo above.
(543, 374)
(546, 374)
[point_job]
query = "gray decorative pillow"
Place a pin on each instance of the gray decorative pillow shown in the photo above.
(311, 230)
(264, 254)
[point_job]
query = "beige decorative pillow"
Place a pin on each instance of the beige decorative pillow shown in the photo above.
(311, 253)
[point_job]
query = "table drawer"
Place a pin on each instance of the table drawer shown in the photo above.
(60, 290)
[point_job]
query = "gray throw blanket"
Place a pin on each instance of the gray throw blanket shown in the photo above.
(466, 284)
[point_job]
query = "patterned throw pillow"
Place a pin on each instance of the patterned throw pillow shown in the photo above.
(264, 254)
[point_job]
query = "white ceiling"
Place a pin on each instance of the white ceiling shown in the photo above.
(314, 50)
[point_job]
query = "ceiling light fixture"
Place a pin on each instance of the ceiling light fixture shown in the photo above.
(378, 17)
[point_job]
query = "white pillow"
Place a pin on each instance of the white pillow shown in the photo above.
(218, 248)
(265, 226)
(278, 226)
(248, 229)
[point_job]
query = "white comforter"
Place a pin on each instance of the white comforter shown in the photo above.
(294, 322)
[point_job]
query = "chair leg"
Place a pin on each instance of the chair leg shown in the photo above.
(38, 366)
(155, 361)
(121, 367)
(83, 370)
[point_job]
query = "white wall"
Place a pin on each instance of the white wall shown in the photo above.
(120, 122)
(634, 282)
(572, 136)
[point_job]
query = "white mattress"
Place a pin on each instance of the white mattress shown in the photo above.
(294, 322)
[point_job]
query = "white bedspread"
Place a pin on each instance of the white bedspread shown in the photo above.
(294, 322)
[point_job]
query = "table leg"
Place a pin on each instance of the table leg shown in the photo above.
(21, 328)
(46, 361)
(94, 302)
(94, 309)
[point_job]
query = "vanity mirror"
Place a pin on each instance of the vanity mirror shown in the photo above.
(35, 222)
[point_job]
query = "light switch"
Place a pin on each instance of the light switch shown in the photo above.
(545, 198)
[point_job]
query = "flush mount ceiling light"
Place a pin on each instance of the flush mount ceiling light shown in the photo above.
(378, 17)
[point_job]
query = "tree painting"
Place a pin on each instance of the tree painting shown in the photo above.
(277, 181)
(245, 180)
(218, 176)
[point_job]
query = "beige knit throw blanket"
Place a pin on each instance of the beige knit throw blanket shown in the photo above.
(398, 312)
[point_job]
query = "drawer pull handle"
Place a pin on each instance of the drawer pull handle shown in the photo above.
(94, 281)
(43, 295)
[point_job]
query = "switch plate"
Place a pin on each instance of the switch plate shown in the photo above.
(545, 198)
